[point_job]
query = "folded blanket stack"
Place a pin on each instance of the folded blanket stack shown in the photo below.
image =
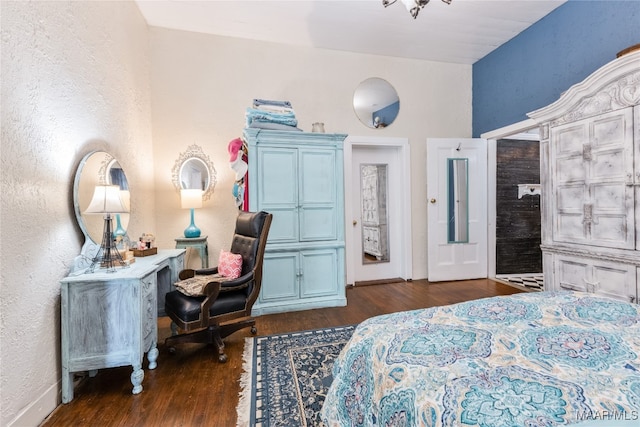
(267, 114)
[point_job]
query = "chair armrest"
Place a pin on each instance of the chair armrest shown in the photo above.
(239, 283)
(212, 270)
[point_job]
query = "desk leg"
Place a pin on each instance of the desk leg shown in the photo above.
(205, 256)
(67, 385)
(136, 379)
(152, 356)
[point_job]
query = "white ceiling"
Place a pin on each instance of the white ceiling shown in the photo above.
(462, 32)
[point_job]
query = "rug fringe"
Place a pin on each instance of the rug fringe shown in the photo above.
(244, 402)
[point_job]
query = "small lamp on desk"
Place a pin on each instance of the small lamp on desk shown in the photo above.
(106, 200)
(191, 199)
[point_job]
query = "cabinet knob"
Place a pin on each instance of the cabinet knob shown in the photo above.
(355, 222)
(432, 200)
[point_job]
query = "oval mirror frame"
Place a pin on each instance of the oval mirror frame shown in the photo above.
(376, 103)
(96, 168)
(194, 169)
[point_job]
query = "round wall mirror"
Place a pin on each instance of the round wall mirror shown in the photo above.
(194, 170)
(376, 103)
(98, 168)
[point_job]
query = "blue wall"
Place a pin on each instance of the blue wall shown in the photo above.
(531, 70)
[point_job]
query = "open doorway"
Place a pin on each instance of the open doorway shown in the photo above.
(378, 220)
(515, 257)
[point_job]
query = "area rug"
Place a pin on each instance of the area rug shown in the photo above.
(286, 377)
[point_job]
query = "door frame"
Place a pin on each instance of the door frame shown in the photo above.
(492, 138)
(401, 145)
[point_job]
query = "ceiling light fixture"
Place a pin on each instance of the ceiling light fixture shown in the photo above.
(413, 6)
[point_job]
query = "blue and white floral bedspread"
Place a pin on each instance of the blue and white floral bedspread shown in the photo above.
(534, 359)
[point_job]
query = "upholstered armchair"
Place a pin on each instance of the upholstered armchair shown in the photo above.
(221, 306)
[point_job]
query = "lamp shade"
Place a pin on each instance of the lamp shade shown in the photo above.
(106, 199)
(191, 198)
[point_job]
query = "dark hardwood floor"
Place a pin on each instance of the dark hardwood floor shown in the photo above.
(190, 388)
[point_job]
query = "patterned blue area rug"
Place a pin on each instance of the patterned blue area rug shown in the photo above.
(286, 377)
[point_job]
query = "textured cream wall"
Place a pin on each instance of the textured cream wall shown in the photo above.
(201, 85)
(75, 77)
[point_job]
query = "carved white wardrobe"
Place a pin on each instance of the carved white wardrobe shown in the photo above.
(590, 176)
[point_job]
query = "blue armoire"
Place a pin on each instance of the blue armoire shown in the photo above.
(298, 177)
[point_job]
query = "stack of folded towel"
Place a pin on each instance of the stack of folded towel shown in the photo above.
(267, 114)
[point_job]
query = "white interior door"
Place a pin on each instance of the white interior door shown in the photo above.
(457, 209)
(376, 235)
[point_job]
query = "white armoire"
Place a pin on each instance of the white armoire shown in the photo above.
(590, 176)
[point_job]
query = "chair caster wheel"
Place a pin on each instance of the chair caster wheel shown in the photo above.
(222, 358)
(253, 330)
(172, 350)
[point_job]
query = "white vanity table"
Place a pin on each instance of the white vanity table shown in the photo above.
(110, 319)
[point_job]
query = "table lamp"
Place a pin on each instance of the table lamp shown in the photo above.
(106, 200)
(119, 231)
(191, 199)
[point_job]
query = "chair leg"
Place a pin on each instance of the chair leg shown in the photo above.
(228, 329)
(210, 335)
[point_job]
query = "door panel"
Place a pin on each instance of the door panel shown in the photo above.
(463, 259)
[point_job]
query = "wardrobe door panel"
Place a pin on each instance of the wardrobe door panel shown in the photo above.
(278, 191)
(318, 212)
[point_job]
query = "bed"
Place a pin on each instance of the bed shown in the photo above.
(530, 359)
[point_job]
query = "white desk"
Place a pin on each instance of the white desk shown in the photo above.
(110, 319)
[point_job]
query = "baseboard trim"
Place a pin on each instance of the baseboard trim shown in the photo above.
(379, 282)
(38, 410)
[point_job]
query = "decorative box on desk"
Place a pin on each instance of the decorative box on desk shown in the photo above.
(110, 319)
(144, 252)
(298, 177)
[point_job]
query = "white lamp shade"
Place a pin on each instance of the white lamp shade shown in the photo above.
(106, 199)
(191, 198)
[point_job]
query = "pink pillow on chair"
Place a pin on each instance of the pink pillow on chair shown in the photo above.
(229, 265)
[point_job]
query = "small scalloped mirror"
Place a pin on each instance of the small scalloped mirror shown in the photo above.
(194, 170)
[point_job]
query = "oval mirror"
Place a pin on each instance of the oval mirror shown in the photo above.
(376, 103)
(98, 168)
(194, 170)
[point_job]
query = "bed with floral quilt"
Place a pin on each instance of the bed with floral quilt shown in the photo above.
(530, 359)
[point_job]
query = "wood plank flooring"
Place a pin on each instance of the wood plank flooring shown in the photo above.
(190, 388)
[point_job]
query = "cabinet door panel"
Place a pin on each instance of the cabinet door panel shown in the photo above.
(615, 280)
(104, 319)
(318, 213)
(280, 274)
(278, 191)
(611, 279)
(572, 273)
(592, 180)
(319, 270)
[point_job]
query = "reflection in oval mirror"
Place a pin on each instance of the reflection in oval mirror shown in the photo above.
(194, 175)
(98, 168)
(376, 103)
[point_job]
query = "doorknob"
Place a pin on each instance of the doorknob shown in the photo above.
(355, 222)
(433, 200)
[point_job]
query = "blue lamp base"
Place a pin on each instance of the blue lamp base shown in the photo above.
(192, 231)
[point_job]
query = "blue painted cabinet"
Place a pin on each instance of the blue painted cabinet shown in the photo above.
(298, 177)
